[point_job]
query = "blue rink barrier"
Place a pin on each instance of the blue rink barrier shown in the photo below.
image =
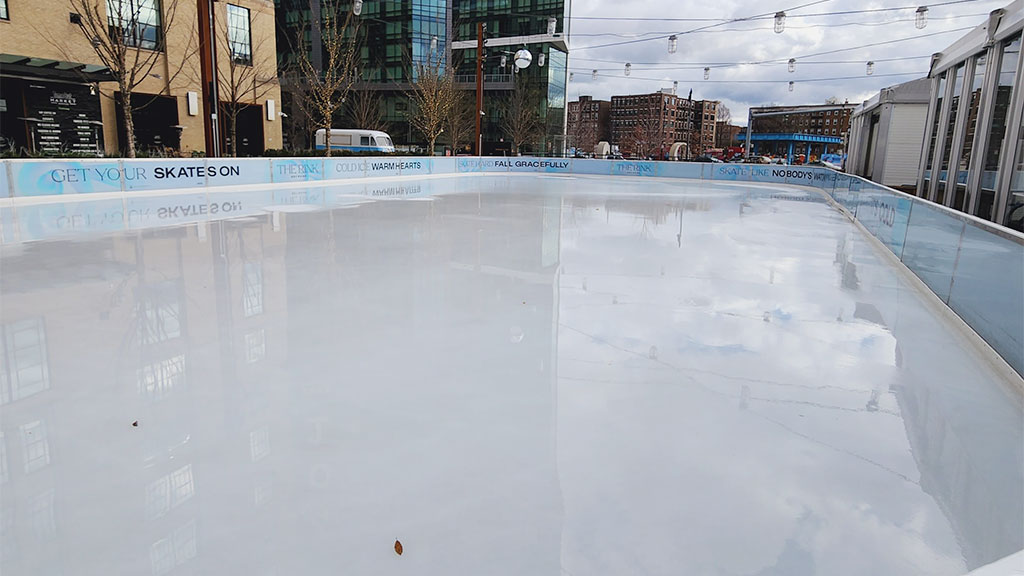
(974, 266)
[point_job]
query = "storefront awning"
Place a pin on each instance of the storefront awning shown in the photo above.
(15, 65)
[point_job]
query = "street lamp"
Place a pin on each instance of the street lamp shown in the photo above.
(921, 17)
(673, 44)
(523, 58)
(792, 65)
(780, 22)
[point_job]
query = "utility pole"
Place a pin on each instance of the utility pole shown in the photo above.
(480, 27)
(208, 73)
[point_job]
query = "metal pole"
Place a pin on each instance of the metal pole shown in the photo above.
(208, 72)
(750, 124)
(479, 86)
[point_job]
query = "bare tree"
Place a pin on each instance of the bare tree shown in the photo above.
(832, 100)
(521, 121)
(431, 95)
(364, 110)
(239, 82)
(460, 123)
(723, 114)
(648, 135)
(327, 85)
(129, 41)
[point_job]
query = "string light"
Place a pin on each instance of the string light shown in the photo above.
(790, 85)
(628, 66)
(707, 73)
(593, 75)
(551, 26)
(673, 44)
(921, 17)
(504, 60)
(433, 44)
(541, 59)
(675, 86)
(871, 67)
(780, 22)
(357, 7)
(792, 65)
(570, 76)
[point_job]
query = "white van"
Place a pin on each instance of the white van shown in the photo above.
(356, 140)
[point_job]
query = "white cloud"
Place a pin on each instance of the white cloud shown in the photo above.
(654, 68)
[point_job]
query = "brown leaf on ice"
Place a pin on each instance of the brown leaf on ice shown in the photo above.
(398, 547)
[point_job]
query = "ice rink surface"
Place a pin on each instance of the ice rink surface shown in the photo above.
(510, 375)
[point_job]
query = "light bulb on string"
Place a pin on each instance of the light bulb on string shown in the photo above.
(593, 75)
(673, 44)
(570, 76)
(790, 85)
(780, 22)
(871, 67)
(707, 73)
(504, 60)
(675, 86)
(628, 66)
(551, 26)
(921, 17)
(792, 65)
(541, 59)
(433, 44)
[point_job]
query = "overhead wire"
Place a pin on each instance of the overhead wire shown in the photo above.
(759, 17)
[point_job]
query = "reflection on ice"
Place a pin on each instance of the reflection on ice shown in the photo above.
(510, 378)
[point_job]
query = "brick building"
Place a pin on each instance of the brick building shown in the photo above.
(58, 97)
(725, 134)
(790, 131)
(702, 137)
(646, 125)
(589, 122)
(824, 120)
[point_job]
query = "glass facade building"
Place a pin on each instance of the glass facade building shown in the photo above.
(973, 140)
(395, 36)
(512, 25)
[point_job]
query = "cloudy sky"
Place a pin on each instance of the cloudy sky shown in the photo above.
(606, 34)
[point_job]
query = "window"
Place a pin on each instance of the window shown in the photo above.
(35, 446)
(252, 289)
(159, 314)
(27, 370)
(259, 443)
(4, 15)
(137, 22)
(998, 126)
(255, 345)
(157, 380)
(239, 35)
